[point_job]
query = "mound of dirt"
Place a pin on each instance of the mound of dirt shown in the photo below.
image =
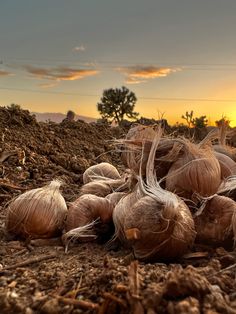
(38, 277)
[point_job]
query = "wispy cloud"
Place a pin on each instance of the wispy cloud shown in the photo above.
(59, 73)
(140, 74)
(5, 73)
(79, 48)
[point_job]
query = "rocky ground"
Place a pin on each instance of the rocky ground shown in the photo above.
(39, 277)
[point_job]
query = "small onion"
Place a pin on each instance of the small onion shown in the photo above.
(101, 171)
(88, 217)
(115, 197)
(103, 187)
(216, 225)
(38, 213)
(86, 209)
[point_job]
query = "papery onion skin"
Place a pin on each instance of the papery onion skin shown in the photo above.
(165, 233)
(197, 171)
(38, 213)
(100, 171)
(88, 208)
(227, 165)
(215, 225)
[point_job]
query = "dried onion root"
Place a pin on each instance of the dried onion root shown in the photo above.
(216, 225)
(101, 171)
(38, 213)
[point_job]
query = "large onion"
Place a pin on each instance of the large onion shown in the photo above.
(38, 213)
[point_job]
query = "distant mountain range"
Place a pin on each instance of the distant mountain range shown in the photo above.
(58, 117)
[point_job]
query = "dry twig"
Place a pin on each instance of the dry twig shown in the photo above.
(87, 305)
(31, 261)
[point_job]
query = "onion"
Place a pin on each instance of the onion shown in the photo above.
(38, 213)
(227, 165)
(88, 217)
(86, 209)
(103, 187)
(216, 225)
(163, 230)
(228, 187)
(115, 197)
(102, 171)
(196, 171)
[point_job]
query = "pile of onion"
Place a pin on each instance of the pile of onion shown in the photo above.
(38, 213)
(155, 222)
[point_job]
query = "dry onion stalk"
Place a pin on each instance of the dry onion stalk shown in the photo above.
(131, 155)
(222, 147)
(38, 213)
(157, 224)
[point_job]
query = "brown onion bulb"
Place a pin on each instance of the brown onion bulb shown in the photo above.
(216, 225)
(196, 171)
(101, 171)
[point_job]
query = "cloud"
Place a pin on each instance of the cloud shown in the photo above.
(5, 73)
(79, 48)
(140, 74)
(60, 73)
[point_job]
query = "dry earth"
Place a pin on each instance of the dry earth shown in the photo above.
(39, 277)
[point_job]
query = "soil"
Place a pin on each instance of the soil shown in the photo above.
(37, 276)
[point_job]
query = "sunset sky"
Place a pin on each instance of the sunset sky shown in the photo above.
(175, 55)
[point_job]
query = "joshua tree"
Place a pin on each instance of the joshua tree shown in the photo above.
(116, 104)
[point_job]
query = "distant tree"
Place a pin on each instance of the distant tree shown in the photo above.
(14, 107)
(117, 103)
(70, 116)
(200, 122)
(224, 121)
(189, 118)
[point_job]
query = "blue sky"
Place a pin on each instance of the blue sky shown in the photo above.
(176, 55)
